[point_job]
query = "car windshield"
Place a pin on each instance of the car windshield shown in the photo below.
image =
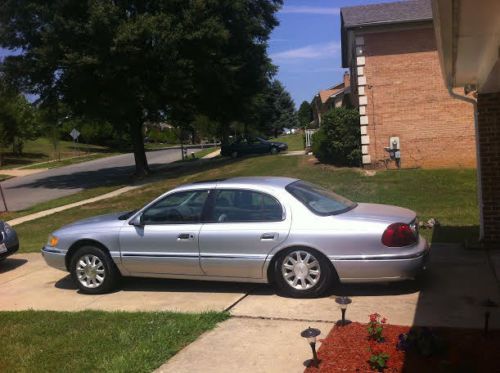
(319, 200)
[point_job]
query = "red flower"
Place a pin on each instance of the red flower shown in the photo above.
(384, 320)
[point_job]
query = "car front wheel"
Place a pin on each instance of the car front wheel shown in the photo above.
(274, 150)
(302, 273)
(93, 270)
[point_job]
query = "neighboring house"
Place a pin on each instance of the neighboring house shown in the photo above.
(391, 52)
(468, 39)
(330, 98)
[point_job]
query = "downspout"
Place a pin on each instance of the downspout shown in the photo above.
(478, 158)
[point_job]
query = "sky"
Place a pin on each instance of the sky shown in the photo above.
(306, 45)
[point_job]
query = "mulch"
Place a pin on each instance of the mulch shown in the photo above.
(348, 349)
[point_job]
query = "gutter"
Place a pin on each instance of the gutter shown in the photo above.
(478, 158)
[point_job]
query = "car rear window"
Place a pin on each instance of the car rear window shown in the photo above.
(319, 200)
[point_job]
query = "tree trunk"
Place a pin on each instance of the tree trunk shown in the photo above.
(141, 162)
(224, 131)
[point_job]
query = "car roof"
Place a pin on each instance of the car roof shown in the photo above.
(273, 181)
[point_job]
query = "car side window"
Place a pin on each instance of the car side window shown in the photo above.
(178, 208)
(234, 205)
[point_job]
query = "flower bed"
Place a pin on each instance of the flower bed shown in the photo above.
(349, 349)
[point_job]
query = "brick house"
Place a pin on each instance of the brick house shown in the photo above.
(468, 39)
(333, 97)
(390, 50)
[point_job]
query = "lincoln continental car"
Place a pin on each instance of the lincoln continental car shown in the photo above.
(300, 237)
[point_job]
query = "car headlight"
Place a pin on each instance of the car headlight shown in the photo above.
(52, 241)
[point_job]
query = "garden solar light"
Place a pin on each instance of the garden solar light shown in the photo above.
(343, 302)
(310, 334)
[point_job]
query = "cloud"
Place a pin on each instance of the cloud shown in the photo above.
(313, 51)
(291, 9)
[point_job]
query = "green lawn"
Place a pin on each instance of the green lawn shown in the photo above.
(41, 150)
(295, 141)
(447, 195)
(91, 341)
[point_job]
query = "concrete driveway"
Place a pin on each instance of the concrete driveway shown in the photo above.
(450, 295)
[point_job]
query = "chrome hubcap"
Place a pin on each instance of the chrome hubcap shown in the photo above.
(90, 271)
(301, 270)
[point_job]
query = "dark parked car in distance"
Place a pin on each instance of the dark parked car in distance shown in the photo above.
(9, 242)
(257, 145)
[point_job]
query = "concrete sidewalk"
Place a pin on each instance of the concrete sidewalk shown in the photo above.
(247, 346)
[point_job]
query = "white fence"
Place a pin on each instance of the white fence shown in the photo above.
(309, 134)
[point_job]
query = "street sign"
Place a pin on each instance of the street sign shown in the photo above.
(74, 133)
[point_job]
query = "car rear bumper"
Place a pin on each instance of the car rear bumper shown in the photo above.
(54, 258)
(383, 269)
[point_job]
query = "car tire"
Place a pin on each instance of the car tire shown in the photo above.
(93, 270)
(234, 154)
(274, 150)
(312, 279)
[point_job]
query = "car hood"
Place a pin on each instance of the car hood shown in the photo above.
(97, 222)
(382, 213)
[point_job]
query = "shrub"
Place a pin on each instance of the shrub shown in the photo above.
(338, 140)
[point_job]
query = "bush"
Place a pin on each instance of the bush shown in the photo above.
(338, 140)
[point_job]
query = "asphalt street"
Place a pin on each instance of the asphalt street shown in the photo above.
(24, 192)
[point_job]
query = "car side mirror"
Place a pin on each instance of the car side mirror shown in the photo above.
(137, 221)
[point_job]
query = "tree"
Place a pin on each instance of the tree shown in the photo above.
(305, 115)
(18, 119)
(338, 140)
(272, 110)
(127, 62)
(286, 115)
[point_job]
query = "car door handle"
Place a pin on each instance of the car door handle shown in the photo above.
(185, 236)
(269, 236)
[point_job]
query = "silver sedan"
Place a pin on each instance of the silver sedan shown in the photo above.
(293, 234)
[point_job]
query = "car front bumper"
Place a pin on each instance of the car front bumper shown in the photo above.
(383, 269)
(54, 257)
(11, 249)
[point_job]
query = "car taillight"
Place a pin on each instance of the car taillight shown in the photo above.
(398, 235)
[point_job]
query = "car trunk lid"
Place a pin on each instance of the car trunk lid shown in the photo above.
(383, 213)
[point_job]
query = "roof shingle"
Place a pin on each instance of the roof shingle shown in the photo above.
(398, 12)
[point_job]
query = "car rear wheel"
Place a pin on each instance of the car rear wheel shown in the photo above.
(93, 270)
(302, 273)
(234, 154)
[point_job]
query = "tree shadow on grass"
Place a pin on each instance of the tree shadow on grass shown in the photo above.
(120, 175)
